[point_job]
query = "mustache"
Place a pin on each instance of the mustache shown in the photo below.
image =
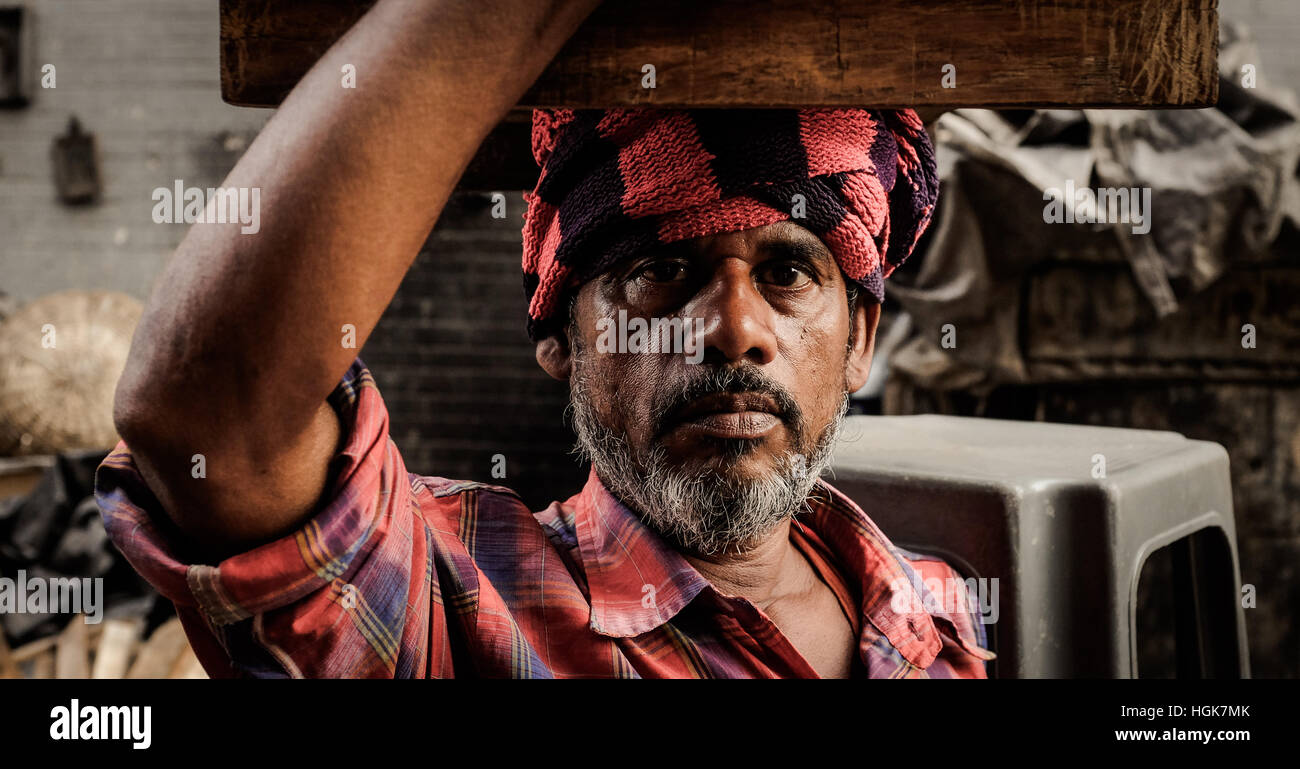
(670, 402)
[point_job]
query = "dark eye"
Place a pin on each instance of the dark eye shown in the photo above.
(786, 275)
(663, 271)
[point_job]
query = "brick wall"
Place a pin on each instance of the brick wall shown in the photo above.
(455, 366)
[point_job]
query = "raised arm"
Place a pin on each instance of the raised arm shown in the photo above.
(242, 338)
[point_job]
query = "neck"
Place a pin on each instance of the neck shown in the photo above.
(764, 574)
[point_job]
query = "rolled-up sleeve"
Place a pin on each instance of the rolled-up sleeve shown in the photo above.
(348, 594)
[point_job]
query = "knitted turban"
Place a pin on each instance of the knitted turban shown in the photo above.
(615, 183)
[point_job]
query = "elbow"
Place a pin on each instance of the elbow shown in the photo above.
(133, 418)
(146, 410)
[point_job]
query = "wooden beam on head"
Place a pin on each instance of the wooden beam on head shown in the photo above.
(796, 53)
(792, 53)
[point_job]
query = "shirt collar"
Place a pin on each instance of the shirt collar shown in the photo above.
(890, 589)
(637, 581)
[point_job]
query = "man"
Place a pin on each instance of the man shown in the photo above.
(262, 495)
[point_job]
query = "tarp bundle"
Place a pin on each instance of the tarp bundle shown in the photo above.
(1221, 184)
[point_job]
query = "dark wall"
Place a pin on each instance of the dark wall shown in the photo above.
(455, 366)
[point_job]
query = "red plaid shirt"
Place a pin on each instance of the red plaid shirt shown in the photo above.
(408, 576)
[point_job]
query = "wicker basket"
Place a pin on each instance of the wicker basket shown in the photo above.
(60, 359)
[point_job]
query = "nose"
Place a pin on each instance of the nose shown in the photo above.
(739, 323)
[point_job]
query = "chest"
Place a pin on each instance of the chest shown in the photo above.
(819, 630)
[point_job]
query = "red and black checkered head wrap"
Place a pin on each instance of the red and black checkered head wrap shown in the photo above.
(617, 182)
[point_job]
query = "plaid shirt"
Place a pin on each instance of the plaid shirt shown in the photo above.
(407, 576)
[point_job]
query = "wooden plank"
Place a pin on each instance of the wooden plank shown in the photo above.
(116, 645)
(783, 53)
(72, 655)
(8, 666)
(1089, 319)
(42, 665)
(187, 665)
(159, 653)
(35, 648)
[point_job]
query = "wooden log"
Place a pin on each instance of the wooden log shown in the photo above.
(785, 53)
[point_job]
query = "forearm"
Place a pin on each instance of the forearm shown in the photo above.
(247, 328)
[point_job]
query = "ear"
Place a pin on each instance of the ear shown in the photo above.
(866, 316)
(554, 356)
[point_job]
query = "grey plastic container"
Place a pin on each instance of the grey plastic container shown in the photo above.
(1021, 501)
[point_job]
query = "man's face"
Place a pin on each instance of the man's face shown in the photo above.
(715, 448)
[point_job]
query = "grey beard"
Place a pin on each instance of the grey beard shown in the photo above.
(705, 513)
